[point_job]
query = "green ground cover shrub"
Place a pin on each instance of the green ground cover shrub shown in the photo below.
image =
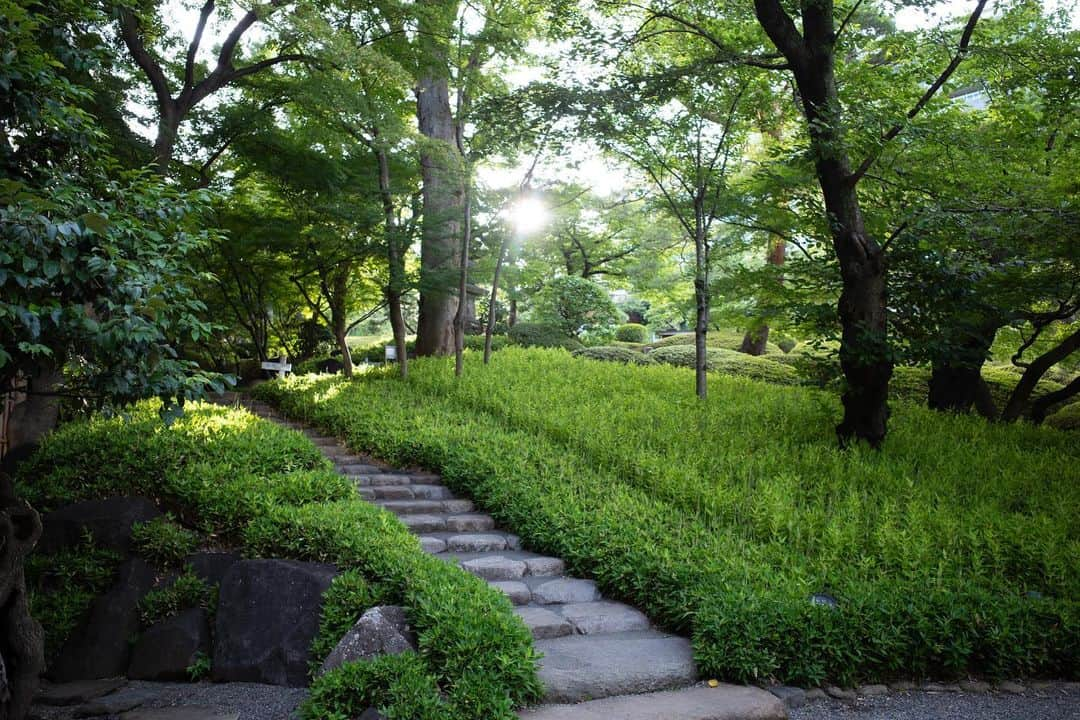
(476, 342)
(541, 335)
(349, 596)
(269, 491)
(632, 333)
(912, 384)
(186, 592)
(163, 541)
(951, 551)
(1067, 418)
(729, 362)
(614, 354)
(725, 339)
(62, 585)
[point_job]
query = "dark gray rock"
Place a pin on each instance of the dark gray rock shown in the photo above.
(165, 651)
(184, 712)
(74, 693)
(268, 614)
(108, 520)
(371, 714)
(793, 697)
(211, 567)
(381, 630)
(126, 699)
(100, 646)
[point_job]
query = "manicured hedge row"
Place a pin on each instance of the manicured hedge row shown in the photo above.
(729, 362)
(949, 552)
(269, 490)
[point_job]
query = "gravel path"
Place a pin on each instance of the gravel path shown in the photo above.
(1051, 704)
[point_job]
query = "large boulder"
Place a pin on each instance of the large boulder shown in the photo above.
(168, 649)
(108, 520)
(267, 616)
(381, 630)
(211, 567)
(100, 646)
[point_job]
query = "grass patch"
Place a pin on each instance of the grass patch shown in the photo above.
(951, 551)
(269, 491)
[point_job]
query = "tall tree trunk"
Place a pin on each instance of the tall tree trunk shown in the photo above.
(511, 317)
(339, 318)
(756, 339)
(395, 258)
(463, 285)
(443, 190)
(701, 299)
(489, 329)
(165, 142)
(956, 383)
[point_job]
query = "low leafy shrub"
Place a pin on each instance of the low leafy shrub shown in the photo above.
(271, 490)
(200, 667)
(728, 362)
(186, 592)
(162, 541)
(723, 339)
(62, 585)
(632, 332)
(614, 354)
(476, 342)
(400, 687)
(785, 343)
(350, 595)
(1067, 418)
(541, 335)
(912, 384)
(950, 551)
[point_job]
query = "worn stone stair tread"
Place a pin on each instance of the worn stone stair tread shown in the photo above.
(603, 616)
(518, 592)
(564, 590)
(523, 555)
(700, 702)
(390, 492)
(495, 567)
(411, 507)
(424, 523)
(577, 668)
(432, 545)
(476, 542)
(543, 623)
(361, 474)
(431, 492)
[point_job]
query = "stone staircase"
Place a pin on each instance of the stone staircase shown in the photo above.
(592, 648)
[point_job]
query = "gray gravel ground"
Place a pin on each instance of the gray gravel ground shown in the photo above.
(252, 701)
(1051, 704)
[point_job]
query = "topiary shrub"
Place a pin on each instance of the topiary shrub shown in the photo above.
(610, 353)
(729, 362)
(542, 335)
(632, 333)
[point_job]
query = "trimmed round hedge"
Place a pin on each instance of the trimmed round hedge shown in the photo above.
(632, 333)
(611, 353)
(729, 362)
(542, 335)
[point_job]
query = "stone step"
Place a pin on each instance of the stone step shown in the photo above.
(565, 590)
(412, 507)
(518, 592)
(701, 702)
(425, 523)
(602, 617)
(323, 441)
(432, 545)
(543, 624)
(336, 451)
(476, 542)
(389, 492)
(371, 476)
(577, 668)
(495, 567)
(432, 492)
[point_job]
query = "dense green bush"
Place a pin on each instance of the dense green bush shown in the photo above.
(575, 304)
(950, 551)
(350, 595)
(476, 342)
(913, 384)
(728, 362)
(614, 354)
(632, 333)
(62, 585)
(541, 335)
(163, 541)
(187, 591)
(724, 339)
(270, 490)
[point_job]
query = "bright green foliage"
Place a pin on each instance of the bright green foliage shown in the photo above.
(728, 362)
(186, 592)
(62, 586)
(632, 332)
(950, 551)
(575, 305)
(476, 342)
(400, 687)
(913, 384)
(162, 541)
(349, 596)
(271, 490)
(724, 339)
(614, 354)
(200, 667)
(541, 335)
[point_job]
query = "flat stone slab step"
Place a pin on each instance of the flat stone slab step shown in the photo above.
(565, 590)
(543, 623)
(577, 668)
(495, 567)
(518, 592)
(361, 474)
(601, 617)
(724, 702)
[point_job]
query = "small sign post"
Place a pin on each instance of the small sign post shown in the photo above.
(281, 367)
(391, 354)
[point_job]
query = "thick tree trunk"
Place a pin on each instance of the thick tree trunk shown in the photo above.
(956, 383)
(165, 143)
(395, 258)
(756, 340)
(339, 318)
(443, 189)
(511, 317)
